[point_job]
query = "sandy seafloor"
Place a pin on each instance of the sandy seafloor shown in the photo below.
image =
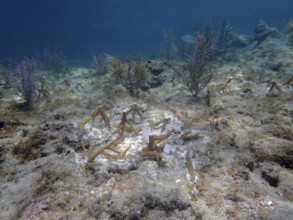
(243, 159)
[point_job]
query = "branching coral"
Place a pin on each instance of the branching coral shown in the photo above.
(188, 135)
(160, 124)
(125, 124)
(154, 147)
(192, 177)
(289, 82)
(134, 110)
(273, 85)
(66, 85)
(109, 151)
(43, 90)
(99, 111)
(223, 89)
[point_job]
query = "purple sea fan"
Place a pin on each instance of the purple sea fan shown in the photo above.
(25, 78)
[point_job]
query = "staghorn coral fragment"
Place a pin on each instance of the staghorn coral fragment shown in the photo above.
(153, 154)
(194, 179)
(160, 147)
(92, 164)
(82, 167)
(123, 125)
(123, 153)
(43, 90)
(91, 150)
(273, 85)
(134, 110)
(83, 147)
(66, 83)
(187, 136)
(224, 87)
(92, 155)
(154, 146)
(189, 165)
(154, 140)
(95, 164)
(78, 86)
(114, 150)
(161, 123)
(87, 120)
(101, 110)
(289, 82)
(130, 129)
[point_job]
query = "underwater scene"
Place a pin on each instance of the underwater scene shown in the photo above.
(146, 110)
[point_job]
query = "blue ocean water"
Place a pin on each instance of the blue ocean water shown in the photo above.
(82, 29)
